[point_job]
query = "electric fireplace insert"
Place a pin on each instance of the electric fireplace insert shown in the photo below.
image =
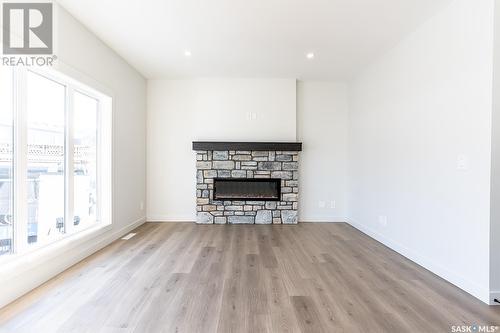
(252, 189)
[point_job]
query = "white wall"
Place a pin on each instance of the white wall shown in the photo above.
(413, 112)
(182, 111)
(495, 169)
(85, 57)
(322, 123)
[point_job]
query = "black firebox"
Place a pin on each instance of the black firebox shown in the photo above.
(252, 189)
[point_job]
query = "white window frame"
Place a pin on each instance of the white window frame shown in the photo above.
(104, 159)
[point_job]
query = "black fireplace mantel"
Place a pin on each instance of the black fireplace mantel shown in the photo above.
(226, 145)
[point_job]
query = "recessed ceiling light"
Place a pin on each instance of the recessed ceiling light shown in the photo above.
(187, 53)
(310, 55)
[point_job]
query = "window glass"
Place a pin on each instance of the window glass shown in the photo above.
(85, 160)
(6, 160)
(45, 158)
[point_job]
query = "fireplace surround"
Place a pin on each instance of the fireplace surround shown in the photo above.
(247, 182)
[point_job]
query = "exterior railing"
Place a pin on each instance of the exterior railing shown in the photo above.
(47, 153)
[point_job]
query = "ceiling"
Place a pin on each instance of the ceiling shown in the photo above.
(251, 38)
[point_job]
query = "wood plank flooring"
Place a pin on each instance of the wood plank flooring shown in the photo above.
(182, 277)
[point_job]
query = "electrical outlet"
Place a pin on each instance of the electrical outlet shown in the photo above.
(251, 115)
(332, 204)
(462, 162)
(382, 220)
(321, 204)
(141, 205)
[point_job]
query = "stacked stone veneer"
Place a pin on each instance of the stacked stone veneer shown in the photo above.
(247, 164)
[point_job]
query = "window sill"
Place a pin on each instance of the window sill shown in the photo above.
(15, 264)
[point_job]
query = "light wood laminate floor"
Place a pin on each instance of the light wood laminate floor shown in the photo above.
(182, 277)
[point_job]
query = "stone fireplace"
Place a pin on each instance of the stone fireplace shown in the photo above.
(247, 182)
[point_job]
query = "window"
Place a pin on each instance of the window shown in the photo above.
(46, 122)
(85, 159)
(6, 160)
(55, 158)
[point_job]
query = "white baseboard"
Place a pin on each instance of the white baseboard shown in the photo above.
(332, 219)
(23, 278)
(472, 288)
(494, 295)
(171, 221)
(166, 218)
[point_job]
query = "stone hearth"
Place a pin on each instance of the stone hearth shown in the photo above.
(259, 160)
